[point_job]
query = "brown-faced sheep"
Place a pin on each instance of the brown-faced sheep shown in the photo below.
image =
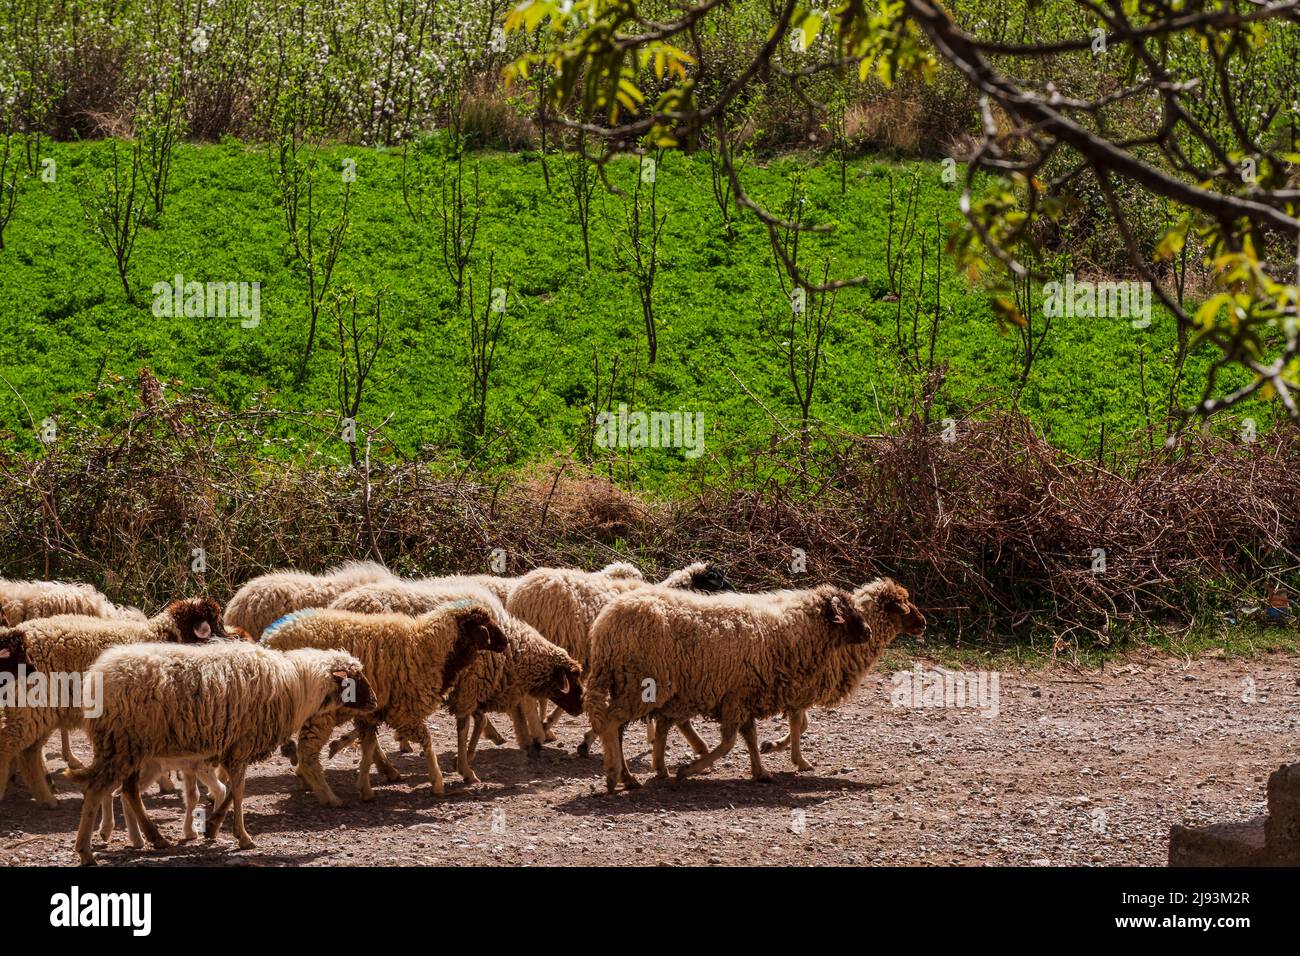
(58, 651)
(231, 704)
(563, 603)
(889, 611)
(414, 662)
(673, 655)
(531, 666)
(266, 599)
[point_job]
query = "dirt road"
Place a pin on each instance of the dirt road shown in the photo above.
(1073, 768)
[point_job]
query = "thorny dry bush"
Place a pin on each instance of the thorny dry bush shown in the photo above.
(995, 531)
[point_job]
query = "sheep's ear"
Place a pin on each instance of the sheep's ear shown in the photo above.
(4, 652)
(834, 610)
(339, 675)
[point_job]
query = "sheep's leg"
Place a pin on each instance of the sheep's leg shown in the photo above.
(695, 740)
(661, 728)
(701, 764)
(347, 740)
(528, 737)
(611, 745)
(90, 803)
(166, 784)
(237, 794)
(32, 763)
(212, 781)
(106, 821)
(311, 738)
(131, 798)
(629, 781)
(750, 733)
(69, 758)
(465, 747)
(492, 733)
(796, 738)
(421, 736)
(191, 783)
(546, 723)
(6, 770)
(369, 743)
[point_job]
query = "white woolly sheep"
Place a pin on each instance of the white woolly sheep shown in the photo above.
(230, 703)
(530, 667)
(563, 603)
(413, 663)
(888, 610)
(62, 648)
(673, 655)
(22, 601)
(268, 598)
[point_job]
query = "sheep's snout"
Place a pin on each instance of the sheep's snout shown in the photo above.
(566, 690)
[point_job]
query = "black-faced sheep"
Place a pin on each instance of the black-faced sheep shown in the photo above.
(531, 667)
(889, 611)
(413, 662)
(231, 704)
(673, 655)
(58, 651)
(268, 598)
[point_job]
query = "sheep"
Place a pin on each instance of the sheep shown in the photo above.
(22, 601)
(531, 666)
(66, 645)
(414, 662)
(889, 611)
(674, 654)
(229, 703)
(563, 603)
(271, 596)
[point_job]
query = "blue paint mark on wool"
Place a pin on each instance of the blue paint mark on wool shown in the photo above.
(281, 622)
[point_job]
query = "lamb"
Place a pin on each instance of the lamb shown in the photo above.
(268, 598)
(672, 655)
(62, 648)
(889, 611)
(414, 662)
(562, 604)
(231, 704)
(192, 770)
(531, 666)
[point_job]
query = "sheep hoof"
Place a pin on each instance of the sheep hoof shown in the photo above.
(330, 800)
(392, 776)
(367, 796)
(768, 747)
(551, 737)
(88, 860)
(405, 747)
(803, 765)
(632, 783)
(583, 749)
(161, 843)
(765, 778)
(51, 804)
(247, 844)
(661, 774)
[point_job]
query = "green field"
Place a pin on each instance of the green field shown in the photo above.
(64, 320)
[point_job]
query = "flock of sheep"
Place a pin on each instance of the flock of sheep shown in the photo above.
(202, 694)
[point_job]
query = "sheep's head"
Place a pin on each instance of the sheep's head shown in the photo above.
(237, 633)
(13, 652)
(351, 691)
(896, 604)
(845, 619)
(475, 631)
(708, 578)
(565, 686)
(194, 620)
(478, 630)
